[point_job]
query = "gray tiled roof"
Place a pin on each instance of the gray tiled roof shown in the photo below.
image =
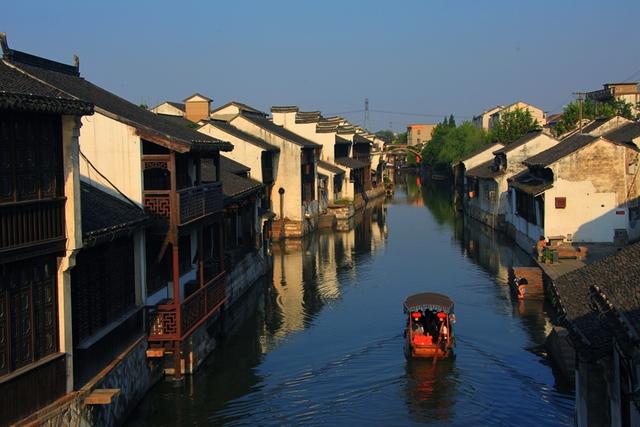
(529, 183)
(121, 109)
(351, 163)
(104, 214)
(242, 107)
(496, 145)
(624, 134)
(284, 109)
(560, 150)
(484, 170)
(234, 131)
(359, 139)
(342, 141)
(342, 129)
(519, 142)
(179, 105)
(595, 124)
(618, 277)
(19, 92)
(230, 165)
(308, 117)
(283, 133)
(330, 167)
(198, 95)
(328, 124)
(234, 186)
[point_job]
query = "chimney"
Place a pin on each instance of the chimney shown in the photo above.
(197, 107)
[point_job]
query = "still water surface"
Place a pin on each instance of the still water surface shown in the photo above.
(321, 343)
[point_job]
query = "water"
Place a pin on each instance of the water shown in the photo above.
(321, 343)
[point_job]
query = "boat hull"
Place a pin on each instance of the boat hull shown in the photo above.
(427, 351)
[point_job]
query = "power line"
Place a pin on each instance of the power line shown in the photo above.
(416, 114)
(398, 113)
(635, 75)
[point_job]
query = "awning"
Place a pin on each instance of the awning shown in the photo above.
(428, 301)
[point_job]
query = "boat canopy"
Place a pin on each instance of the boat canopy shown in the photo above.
(428, 301)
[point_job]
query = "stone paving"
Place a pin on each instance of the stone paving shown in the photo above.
(564, 266)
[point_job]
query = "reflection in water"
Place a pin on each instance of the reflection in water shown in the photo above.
(492, 251)
(306, 272)
(321, 341)
(431, 389)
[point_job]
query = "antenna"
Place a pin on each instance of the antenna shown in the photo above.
(366, 113)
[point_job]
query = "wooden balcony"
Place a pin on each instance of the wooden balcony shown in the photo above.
(201, 200)
(29, 223)
(192, 203)
(169, 324)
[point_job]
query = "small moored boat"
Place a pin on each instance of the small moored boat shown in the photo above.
(429, 330)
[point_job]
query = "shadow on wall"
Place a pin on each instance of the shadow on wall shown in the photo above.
(620, 225)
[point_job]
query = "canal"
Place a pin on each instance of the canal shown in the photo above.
(321, 342)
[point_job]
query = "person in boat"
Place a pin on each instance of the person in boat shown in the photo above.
(416, 325)
(443, 331)
(432, 323)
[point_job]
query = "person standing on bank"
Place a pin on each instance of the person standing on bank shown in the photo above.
(542, 243)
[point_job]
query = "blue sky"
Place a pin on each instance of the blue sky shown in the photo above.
(422, 57)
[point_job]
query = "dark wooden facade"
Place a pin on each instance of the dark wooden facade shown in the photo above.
(362, 152)
(105, 316)
(32, 236)
(188, 215)
(308, 173)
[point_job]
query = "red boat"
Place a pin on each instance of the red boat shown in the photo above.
(429, 331)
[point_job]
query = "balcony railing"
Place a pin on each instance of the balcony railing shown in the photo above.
(196, 202)
(363, 157)
(193, 202)
(31, 222)
(195, 309)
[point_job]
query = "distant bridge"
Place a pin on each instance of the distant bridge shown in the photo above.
(404, 149)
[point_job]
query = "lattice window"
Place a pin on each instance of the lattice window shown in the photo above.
(28, 313)
(30, 156)
(102, 286)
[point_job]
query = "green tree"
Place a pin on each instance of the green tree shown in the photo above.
(411, 158)
(592, 110)
(387, 135)
(512, 125)
(452, 121)
(452, 143)
(400, 138)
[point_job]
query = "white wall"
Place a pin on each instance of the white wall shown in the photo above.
(289, 170)
(243, 152)
(168, 109)
(589, 216)
(115, 150)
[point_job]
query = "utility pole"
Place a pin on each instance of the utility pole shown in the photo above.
(366, 113)
(580, 99)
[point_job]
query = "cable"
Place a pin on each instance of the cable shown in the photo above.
(632, 76)
(417, 114)
(107, 179)
(397, 113)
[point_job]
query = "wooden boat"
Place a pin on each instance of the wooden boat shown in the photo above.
(429, 330)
